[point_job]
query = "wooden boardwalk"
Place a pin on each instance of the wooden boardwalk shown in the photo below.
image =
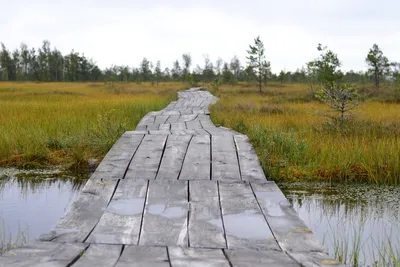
(178, 191)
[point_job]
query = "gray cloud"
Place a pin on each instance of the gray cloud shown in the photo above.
(123, 32)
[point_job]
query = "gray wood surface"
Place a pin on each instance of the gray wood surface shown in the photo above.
(224, 159)
(175, 151)
(244, 222)
(165, 216)
(120, 223)
(199, 257)
(42, 254)
(83, 214)
(99, 255)
(196, 165)
(249, 164)
(257, 258)
(139, 256)
(290, 231)
(205, 221)
(115, 163)
(145, 162)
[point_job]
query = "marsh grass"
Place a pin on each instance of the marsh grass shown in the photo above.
(67, 123)
(8, 242)
(295, 142)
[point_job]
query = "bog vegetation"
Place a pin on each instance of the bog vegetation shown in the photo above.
(316, 122)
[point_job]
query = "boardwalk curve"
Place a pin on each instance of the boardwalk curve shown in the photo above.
(177, 191)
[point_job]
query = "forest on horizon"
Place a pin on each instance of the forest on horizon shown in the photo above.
(47, 64)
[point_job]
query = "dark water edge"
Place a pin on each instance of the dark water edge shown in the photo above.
(358, 224)
(31, 202)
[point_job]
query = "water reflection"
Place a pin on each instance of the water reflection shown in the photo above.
(32, 204)
(351, 221)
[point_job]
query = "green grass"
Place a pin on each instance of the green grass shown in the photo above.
(295, 142)
(67, 123)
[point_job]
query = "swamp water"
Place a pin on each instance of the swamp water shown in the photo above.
(358, 224)
(32, 202)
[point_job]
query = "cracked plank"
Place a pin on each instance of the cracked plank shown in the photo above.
(145, 163)
(175, 151)
(196, 165)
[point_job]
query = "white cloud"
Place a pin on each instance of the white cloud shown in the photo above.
(123, 32)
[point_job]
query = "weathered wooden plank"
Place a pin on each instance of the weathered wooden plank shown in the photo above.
(83, 214)
(175, 151)
(176, 126)
(202, 132)
(249, 164)
(196, 165)
(165, 127)
(194, 124)
(314, 259)
(188, 117)
(165, 217)
(160, 132)
(205, 221)
(171, 113)
(99, 255)
(225, 164)
(120, 223)
(161, 119)
(39, 254)
(191, 132)
(140, 256)
(141, 127)
(245, 225)
(115, 163)
(173, 118)
(199, 257)
(153, 127)
(256, 258)
(289, 230)
(144, 164)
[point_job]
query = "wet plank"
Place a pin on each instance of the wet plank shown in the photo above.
(196, 165)
(175, 151)
(120, 223)
(145, 163)
(256, 258)
(205, 221)
(244, 222)
(99, 255)
(166, 212)
(182, 257)
(83, 214)
(139, 256)
(290, 231)
(38, 254)
(249, 164)
(225, 164)
(115, 163)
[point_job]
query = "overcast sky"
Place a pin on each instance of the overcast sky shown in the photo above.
(122, 32)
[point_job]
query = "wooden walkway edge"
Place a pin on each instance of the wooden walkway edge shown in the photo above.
(177, 191)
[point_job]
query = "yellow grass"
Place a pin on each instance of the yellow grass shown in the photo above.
(66, 123)
(293, 142)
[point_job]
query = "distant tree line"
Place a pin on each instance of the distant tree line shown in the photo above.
(47, 64)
